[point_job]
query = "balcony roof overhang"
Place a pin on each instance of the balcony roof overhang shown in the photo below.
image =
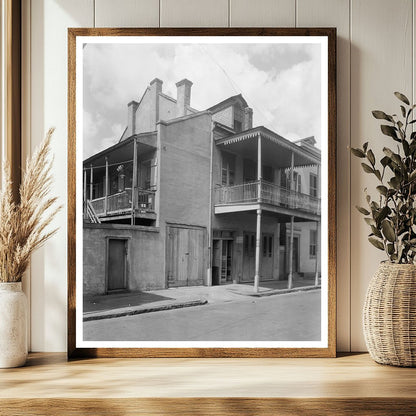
(123, 151)
(283, 214)
(276, 150)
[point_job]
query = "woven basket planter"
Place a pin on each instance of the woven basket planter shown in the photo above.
(389, 317)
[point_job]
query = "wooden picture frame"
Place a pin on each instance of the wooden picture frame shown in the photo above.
(11, 44)
(80, 36)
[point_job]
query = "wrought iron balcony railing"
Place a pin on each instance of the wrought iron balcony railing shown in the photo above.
(268, 193)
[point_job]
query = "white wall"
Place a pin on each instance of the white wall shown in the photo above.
(375, 55)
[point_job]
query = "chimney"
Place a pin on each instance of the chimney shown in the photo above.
(156, 85)
(248, 118)
(131, 118)
(183, 96)
(156, 88)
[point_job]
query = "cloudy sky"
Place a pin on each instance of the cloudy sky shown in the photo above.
(281, 82)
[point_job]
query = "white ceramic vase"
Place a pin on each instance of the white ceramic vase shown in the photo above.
(13, 325)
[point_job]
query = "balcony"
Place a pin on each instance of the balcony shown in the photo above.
(119, 204)
(270, 195)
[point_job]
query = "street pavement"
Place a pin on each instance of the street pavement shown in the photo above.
(286, 317)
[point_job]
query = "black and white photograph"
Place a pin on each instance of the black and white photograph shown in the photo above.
(202, 191)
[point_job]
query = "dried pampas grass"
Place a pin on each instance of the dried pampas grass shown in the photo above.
(24, 224)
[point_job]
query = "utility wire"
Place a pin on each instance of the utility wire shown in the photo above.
(235, 86)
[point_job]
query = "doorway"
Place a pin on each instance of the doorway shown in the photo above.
(222, 261)
(116, 264)
(267, 256)
(249, 256)
(185, 250)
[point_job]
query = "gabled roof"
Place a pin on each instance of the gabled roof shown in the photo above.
(306, 140)
(229, 101)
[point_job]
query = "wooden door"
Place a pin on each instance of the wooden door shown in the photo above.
(249, 257)
(266, 259)
(216, 262)
(185, 256)
(116, 264)
(295, 264)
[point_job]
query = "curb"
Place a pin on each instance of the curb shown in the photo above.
(116, 313)
(280, 291)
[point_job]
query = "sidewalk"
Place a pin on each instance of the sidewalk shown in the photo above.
(132, 303)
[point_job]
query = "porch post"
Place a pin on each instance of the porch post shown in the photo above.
(292, 218)
(290, 277)
(91, 181)
(85, 193)
(258, 225)
(258, 242)
(259, 168)
(292, 165)
(317, 254)
(106, 187)
(134, 183)
(318, 186)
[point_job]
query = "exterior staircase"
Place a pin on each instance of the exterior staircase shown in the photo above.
(91, 214)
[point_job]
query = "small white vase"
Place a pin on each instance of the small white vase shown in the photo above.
(13, 325)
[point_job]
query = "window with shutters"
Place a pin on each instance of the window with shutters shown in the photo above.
(313, 185)
(313, 243)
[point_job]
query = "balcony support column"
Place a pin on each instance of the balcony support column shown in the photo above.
(290, 276)
(134, 182)
(259, 166)
(106, 187)
(292, 166)
(258, 226)
(85, 193)
(318, 185)
(317, 253)
(91, 181)
(258, 243)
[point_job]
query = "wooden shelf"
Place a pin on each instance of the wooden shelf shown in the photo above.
(349, 384)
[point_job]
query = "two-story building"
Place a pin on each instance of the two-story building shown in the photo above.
(191, 197)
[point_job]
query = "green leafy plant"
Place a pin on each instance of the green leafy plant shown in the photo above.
(391, 216)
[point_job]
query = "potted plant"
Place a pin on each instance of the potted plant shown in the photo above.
(23, 228)
(389, 318)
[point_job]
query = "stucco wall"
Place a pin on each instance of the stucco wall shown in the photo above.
(167, 108)
(145, 246)
(307, 263)
(146, 112)
(185, 171)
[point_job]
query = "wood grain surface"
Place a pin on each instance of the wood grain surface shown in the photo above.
(13, 91)
(347, 385)
(330, 351)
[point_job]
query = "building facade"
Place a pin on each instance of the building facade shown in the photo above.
(191, 197)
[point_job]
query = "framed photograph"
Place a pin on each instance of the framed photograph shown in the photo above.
(202, 202)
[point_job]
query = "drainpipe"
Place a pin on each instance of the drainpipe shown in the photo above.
(211, 170)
